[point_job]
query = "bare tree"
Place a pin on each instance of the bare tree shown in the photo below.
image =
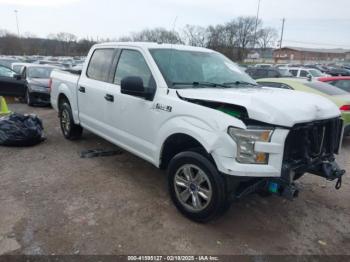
(157, 35)
(195, 35)
(66, 40)
(245, 34)
(267, 37)
(233, 39)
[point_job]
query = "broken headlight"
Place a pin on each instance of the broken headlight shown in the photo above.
(245, 140)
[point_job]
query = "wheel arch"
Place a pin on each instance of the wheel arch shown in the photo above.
(177, 143)
(65, 93)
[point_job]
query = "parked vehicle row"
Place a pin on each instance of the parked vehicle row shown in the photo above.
(330, 69)
(195, 113)
(31, 83)
(341, 82)
(339, 97)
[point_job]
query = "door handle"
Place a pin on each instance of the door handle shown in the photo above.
(82, 89)
(109, 98)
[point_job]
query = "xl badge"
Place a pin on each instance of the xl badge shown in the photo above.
(164, 107)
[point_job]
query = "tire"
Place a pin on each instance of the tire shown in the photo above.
(297, 176)
(28, 99)
(70, 130)
(203, 189)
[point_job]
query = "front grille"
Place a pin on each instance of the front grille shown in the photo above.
(309, 141)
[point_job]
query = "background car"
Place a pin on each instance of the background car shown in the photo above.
(342, 82)
(17, 67)
(338, 96)
(7, 61)
(263, 65)
(258, 73)
(338, 71)
(37, 79)
(11, 84)
(303, 72)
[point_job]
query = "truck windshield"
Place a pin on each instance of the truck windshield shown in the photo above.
(194, 69)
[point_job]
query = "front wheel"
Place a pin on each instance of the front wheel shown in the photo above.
(196, 187)
(69, 129)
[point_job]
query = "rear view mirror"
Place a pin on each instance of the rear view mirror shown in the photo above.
(133, 85)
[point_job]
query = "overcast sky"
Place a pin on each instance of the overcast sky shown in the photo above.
(319, 23)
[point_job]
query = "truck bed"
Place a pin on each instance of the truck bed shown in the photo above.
(64, 80)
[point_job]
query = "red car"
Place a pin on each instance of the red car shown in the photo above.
(342, 82)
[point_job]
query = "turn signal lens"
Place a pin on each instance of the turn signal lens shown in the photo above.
(261, 158)
(345, 108)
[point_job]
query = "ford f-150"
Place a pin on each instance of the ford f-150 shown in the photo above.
(193, 112)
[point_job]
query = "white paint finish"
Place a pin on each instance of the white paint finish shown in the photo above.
(138, 126)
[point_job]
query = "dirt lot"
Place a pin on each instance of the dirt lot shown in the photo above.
(54, 202)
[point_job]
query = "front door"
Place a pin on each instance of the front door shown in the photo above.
(10, 85)
(132, 117)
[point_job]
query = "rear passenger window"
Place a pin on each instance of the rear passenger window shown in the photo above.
(132, 63)
(294, 72)
(100, 64)
(304, 73)
(272, 73)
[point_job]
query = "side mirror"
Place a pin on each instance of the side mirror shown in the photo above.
(17, 77)
(133, 85)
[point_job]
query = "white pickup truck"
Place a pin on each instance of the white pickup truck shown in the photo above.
(193, 112)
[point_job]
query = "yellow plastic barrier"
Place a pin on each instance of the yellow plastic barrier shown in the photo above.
(3, 106)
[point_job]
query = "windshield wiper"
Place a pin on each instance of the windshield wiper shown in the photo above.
(239, 83)
(199, 84)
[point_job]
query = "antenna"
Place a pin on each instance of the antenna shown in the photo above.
(171, 44)
(283, 21)
(174, 24)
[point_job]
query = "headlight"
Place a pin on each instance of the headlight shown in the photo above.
(38, 88)
(245, 140)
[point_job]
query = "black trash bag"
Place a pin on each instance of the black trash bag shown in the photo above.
(21, 130)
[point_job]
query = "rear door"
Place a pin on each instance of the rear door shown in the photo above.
(304, 73)
(93, 86)
(9, 84)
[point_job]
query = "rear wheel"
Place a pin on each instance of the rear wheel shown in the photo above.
(28, 98)
(196, 187)
(69, 129)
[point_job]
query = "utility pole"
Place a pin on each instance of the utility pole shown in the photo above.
(283, 21)
(256, 24)
(16, 14)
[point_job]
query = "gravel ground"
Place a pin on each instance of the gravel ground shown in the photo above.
(54, 202)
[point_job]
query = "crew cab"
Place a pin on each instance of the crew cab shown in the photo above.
(193, 112)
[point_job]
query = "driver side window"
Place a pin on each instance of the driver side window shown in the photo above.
(132, 63)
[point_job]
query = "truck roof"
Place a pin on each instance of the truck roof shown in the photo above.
(150, 45)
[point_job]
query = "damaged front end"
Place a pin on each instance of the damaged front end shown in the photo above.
(309, 148)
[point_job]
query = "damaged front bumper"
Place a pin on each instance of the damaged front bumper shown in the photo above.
(309, 148)
(285, 186)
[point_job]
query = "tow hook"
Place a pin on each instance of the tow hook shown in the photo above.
(338, 184)
(331, 171)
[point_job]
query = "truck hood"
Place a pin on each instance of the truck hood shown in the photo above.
(270, 105)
